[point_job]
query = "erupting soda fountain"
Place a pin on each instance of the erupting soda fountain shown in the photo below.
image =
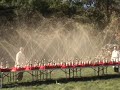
(1, 65)
(7, 65)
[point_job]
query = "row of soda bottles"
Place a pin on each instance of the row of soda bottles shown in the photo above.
(70, 63)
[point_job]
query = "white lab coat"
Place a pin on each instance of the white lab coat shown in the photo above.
(20, 59)
(115, 55)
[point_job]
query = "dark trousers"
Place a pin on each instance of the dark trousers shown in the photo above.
(116, 69)
(20, 76)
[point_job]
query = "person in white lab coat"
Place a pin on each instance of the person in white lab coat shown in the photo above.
(115, 54)
(20, 61)
(115, 57)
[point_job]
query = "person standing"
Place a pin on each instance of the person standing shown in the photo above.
(20, 61)
(115, 54)
(115, 58)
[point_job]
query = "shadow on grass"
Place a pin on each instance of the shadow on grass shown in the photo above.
(61, 80)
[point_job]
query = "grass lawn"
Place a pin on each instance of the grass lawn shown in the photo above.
(87, 82)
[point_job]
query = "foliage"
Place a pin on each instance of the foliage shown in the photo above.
(98, 12)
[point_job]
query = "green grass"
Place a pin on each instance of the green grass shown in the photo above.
(110, 82)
